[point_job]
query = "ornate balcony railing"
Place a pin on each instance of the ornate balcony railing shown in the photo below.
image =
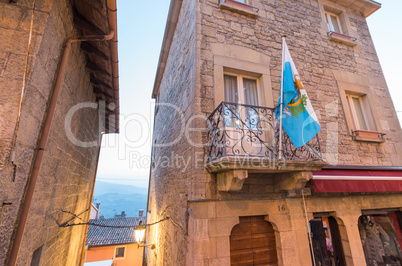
(252, 131)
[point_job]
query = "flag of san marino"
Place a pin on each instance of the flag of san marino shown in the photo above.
(298, 117)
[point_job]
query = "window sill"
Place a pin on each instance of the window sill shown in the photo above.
(342, 38)
(368, 136)
(239, 8)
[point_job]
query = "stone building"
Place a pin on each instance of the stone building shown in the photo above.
(218, 193)
(58, 93)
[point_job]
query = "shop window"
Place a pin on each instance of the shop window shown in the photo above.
(326, 242)
(120, 252)
(381, 238)
(252, 242)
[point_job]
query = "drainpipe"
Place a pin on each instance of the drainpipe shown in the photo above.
(112, 17)
(42, 143)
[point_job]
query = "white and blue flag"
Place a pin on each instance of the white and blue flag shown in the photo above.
(298, 117)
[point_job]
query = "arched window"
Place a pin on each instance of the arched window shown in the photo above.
(252, 242)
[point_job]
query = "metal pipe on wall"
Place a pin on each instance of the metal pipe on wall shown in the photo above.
(112, 17)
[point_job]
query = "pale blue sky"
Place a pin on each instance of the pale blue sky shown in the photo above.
(141, 27)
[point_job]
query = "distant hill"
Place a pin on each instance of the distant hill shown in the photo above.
(114, 203)
(105, 187)
(115, 198)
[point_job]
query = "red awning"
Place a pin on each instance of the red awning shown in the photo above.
(332, 181)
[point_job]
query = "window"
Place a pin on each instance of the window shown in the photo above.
(244, 90)
(359, 107)
(240, 1)
(241, 6)
(120, 252)
(241, 89)
(361, 119)
(333, 22)
(336, 23)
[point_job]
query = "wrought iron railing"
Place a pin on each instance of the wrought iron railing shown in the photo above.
(252, 131)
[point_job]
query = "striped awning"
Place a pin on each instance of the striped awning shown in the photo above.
(336, 181)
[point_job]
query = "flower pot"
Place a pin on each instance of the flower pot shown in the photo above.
(367, 134)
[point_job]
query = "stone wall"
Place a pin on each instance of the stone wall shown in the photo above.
(67, 171)
(189, 83)
(171, 185)
(212, 223)
(316, 58)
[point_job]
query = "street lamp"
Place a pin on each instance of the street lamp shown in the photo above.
(139, 233)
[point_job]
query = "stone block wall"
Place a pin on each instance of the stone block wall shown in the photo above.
(171, 183)
(67, 171)
(317, 59)
(189, 83)
(212, 223)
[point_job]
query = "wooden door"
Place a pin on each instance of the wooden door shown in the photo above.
(252, 242)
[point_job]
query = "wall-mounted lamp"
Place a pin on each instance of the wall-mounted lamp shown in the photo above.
(139, 233)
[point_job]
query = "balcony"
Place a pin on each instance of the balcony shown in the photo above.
(244, 139)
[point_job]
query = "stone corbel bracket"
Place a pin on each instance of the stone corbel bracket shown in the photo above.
(231, 180)
(292, 180)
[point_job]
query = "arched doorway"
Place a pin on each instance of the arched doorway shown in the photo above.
(252, 242)
(326, 241)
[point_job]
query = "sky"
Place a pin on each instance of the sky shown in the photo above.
(125, 157)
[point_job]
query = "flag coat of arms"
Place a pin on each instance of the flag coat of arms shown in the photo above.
(298, 117)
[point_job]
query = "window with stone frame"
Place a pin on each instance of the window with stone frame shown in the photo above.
(361, 113)
(244, 7)
(336, 23)
(359, 107)
(333, 22)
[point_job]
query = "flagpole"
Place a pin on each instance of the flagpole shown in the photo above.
(281, 104)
